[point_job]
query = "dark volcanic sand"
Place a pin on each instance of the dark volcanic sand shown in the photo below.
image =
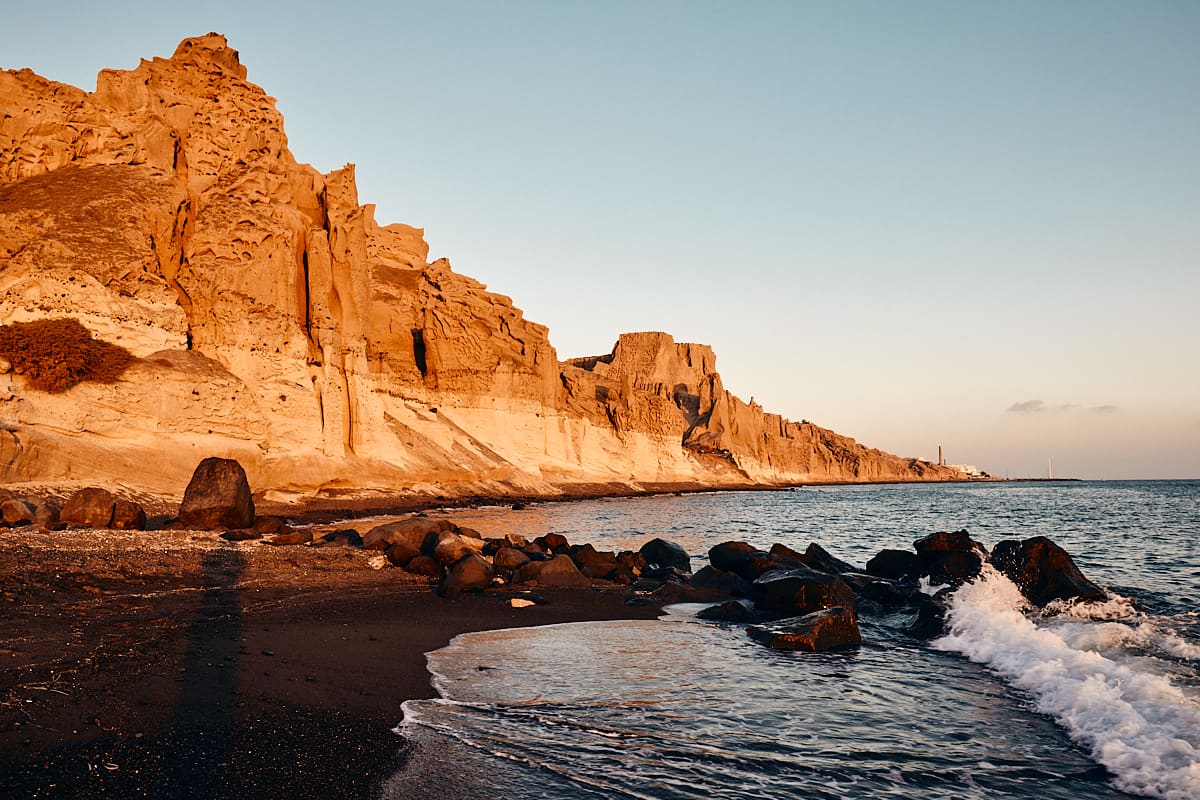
(174, 664)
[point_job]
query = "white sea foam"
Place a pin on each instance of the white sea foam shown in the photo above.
(1138, 724)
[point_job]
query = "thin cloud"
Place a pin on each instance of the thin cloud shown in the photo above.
(1041, 407)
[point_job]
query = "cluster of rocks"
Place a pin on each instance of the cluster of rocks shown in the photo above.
(462, 560)
(812, 600)
(217, 498)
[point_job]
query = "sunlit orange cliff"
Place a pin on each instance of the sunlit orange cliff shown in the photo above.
(270, 318)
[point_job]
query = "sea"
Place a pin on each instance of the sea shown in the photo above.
(1093, 701)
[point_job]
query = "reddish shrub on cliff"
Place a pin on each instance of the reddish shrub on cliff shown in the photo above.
(55, 354)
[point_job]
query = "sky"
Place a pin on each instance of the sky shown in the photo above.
(966, 224)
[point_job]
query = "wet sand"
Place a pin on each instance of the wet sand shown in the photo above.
(173, 664)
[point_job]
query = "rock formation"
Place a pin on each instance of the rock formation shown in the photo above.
(274, 321)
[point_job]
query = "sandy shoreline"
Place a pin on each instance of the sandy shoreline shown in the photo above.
(176, 664)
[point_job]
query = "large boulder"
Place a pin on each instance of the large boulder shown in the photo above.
(218, 496)
(801, 591)
(471, 573)
(1043, 571)
(666, 555)
(420, 533)
(741, 559)
(828, 629)
(89, 508)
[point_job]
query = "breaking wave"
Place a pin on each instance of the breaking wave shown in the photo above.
(1106, 683)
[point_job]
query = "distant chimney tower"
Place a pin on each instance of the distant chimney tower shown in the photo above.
(941, 459)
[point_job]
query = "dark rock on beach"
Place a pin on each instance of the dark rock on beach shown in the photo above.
(218, 496)
(89, 508)
(16, 512)
(1043, 571)
(128, 516)
(507, 559)
(559, 572)
(419, 533)
(828, 629)
(472, 573)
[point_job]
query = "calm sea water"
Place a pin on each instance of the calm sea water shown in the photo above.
(1101, 702)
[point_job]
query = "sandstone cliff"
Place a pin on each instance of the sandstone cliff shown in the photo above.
(273, 320)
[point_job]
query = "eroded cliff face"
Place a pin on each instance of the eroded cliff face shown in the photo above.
(275, 321)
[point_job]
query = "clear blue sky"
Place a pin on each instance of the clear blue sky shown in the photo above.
(966, 223)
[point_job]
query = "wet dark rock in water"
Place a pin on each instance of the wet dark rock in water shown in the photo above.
(893, 564)
(828, 629)
(741, 559)
(731, 584)
(942, 542)
(801, 591)
(128, 516)
(878, 590)
(729, 611)
(472, 573)
(89, 508)
(677, 592)
(950, 558)
(930, 619)
(955, 568)
(674, 574)
(1043, 571)
(785, 557)
(218, 496)
(819, 558)
(417, 532)
(666, 554)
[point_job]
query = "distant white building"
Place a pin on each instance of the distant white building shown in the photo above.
(970, 470)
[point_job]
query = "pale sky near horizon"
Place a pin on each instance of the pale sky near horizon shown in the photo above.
(917, 223)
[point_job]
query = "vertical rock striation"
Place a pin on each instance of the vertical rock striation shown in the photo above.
(276, 322)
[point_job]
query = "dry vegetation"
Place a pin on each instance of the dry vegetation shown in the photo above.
(55, 354)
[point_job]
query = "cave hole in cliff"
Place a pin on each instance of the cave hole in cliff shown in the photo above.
(419, 350)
